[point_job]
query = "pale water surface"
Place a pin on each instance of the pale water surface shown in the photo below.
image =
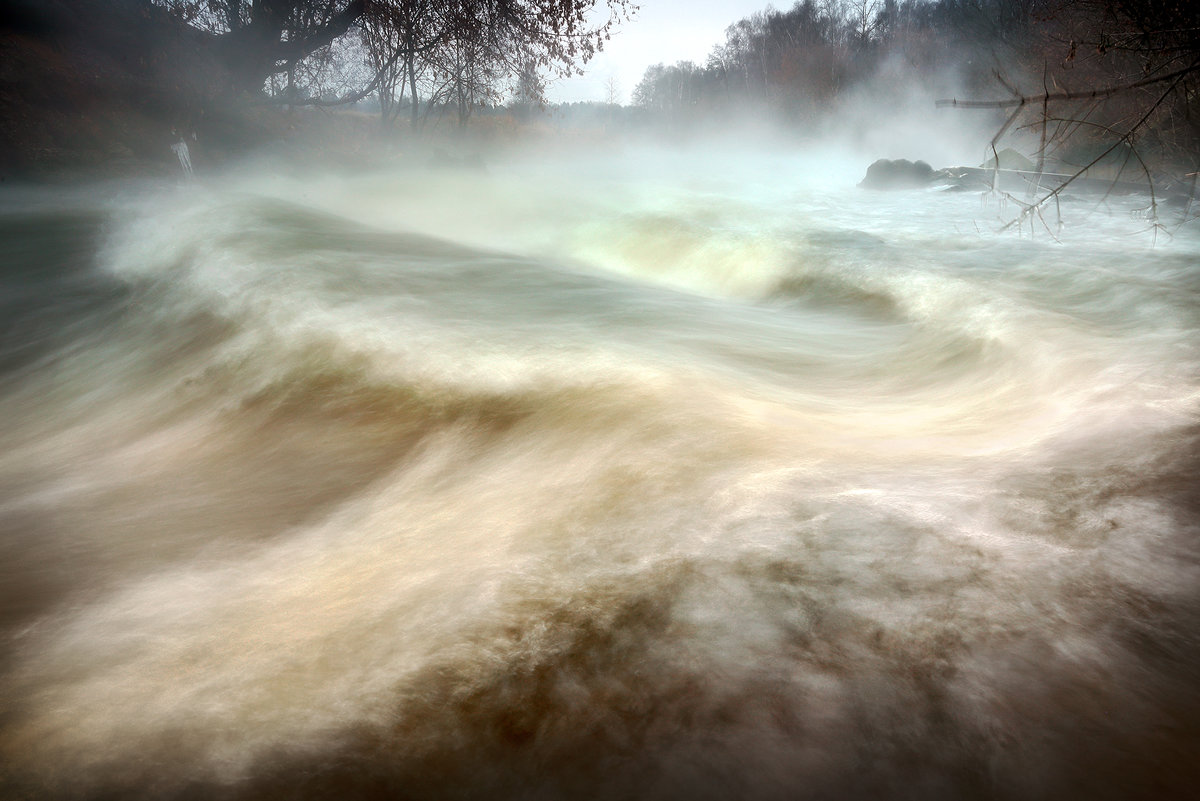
(643, 478)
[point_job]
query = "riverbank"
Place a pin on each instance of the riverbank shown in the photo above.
(104, 90)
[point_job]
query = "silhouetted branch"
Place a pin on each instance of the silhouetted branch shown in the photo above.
(353, 97)
(1125, 139)
(1094, 94)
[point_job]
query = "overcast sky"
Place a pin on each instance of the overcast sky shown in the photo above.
(662, 31)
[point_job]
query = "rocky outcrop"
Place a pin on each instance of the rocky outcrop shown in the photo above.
(898, 174)
(1016, 175)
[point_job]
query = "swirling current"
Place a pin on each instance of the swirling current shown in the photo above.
(594, 479)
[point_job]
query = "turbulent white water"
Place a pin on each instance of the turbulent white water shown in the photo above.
(655, 479)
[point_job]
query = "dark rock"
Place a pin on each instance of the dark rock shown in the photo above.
(898, 174)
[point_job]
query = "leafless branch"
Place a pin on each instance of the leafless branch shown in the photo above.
(1126, 139)
(1053, 97)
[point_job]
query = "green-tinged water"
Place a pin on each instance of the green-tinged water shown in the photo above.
(677, 478)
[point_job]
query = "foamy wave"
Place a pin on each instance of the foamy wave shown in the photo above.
(708, 491)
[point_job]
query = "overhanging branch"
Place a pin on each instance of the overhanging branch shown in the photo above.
(353, 97)
(1052, 97)
(337, 26)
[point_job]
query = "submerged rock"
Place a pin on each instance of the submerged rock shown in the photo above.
(898, 174)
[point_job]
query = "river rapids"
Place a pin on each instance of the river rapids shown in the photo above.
(594, 479)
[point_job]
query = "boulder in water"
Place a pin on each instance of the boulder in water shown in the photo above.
(898, 174)
(1009, 160)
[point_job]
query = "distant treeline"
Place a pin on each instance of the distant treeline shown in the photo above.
(1075, 70)
(816, 50)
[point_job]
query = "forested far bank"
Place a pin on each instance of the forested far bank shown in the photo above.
(1068, 81)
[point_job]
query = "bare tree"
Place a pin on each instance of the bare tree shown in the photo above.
(529, 92)
(263, 38)
(612, 91)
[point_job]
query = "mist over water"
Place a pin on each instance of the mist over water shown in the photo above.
(659, 478)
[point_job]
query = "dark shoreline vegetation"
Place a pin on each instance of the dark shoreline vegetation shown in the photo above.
(103, 90)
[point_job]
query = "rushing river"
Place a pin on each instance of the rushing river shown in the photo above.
(586, 479)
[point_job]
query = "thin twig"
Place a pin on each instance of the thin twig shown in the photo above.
(1109, 91)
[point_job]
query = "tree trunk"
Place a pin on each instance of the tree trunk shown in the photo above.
(411, 65)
